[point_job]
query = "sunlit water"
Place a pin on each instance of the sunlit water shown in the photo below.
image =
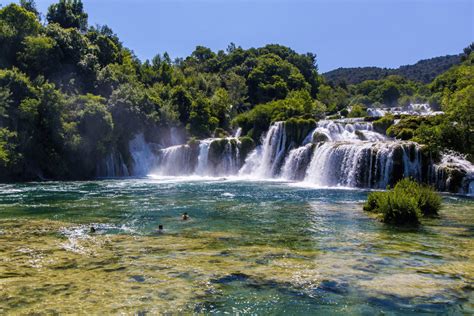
(250, 247)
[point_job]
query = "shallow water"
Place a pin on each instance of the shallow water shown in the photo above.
(250, 247)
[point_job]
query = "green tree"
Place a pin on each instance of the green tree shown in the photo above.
(221, 107)
(16, 23)
(7, 149)
(30, 5)
(183, 102)
(201, 122)
(68, 14)
(88, 130)
(273, 78)
(39, 55)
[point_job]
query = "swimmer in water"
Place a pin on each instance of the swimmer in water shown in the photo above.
(92, 230)
(160, 229)
(185, 217)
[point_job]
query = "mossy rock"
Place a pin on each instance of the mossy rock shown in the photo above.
(193, 143)
(454, 181)
(360, 135)
(334, 117)
(297, 129)
(319, 138)
(247, 144)
(216, 149)
(405, 134)
(381, 125)
(220, 133)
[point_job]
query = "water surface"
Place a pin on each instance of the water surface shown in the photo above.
(250, 247)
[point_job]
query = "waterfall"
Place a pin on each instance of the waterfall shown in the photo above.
(175, 161)
(218, 157)
(454, 174)
(344, 130)
(230, 159)
(265, 161)
(297, 162)
(112, 166)
(363, 164)
(238, 133)
(423, 109)
(211, 157)
(202, 168)
(143, 157)
(336, 153)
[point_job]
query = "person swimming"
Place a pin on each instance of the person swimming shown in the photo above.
(92, 230)
(160, 229)
(185, 217)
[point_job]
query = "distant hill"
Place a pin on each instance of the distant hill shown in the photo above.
(424, 71)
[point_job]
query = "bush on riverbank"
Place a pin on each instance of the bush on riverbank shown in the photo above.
(405, 204)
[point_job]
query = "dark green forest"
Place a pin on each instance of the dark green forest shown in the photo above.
(423, 71)
(70, 93)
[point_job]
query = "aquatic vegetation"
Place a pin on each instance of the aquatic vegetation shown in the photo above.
(406, 203)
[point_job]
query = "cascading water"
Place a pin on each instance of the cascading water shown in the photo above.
(210, 157)
(351, 154)
(175, 161)
(453, 173)
(363, 164)
(265, 161)
(143, 157)
(202, 168)
(218, 157)
(423, 109)
(345, 153)
(346, 130)
(112, 166)
(297, 162)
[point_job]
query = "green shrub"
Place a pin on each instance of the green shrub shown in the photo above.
(405, 134)
(429, 201)
(373, 199)
(405, 204)
(399, 209)
(358, 110)
(382, 124)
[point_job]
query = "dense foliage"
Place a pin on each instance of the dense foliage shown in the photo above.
(405, 204)
(454, 130)
(423, 71)
(71, 94)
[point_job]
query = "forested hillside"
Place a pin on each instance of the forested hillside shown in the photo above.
(71, 93)
(423, 71)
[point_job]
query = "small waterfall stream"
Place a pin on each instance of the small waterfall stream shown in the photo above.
(265, 160)
(175, 161)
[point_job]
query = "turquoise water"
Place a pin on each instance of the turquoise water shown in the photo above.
(249, 247)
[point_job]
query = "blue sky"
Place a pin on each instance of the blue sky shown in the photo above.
(350, 33)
